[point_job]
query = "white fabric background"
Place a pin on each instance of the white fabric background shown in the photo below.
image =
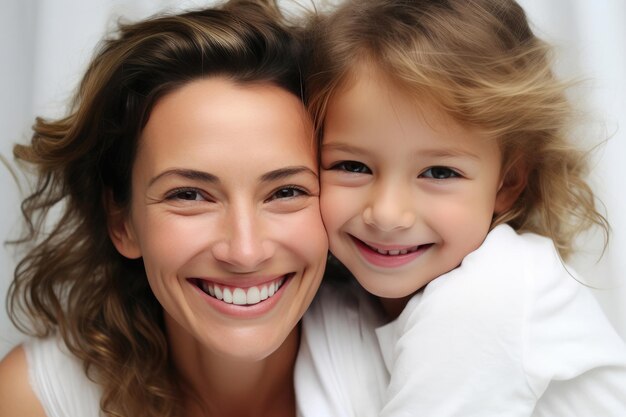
(45, 44)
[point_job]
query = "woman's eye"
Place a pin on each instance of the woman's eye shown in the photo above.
(287, 192)
(352, 166)
(439, 173)
(186, 194)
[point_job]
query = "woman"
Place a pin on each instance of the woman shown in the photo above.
(190, 242)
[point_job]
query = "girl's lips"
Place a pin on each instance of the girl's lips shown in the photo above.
(388, 256)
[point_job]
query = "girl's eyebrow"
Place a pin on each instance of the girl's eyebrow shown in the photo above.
(448, 153)
(286, 172)
(190, 174)
(336, 145)
(343, 147)
(433, 153)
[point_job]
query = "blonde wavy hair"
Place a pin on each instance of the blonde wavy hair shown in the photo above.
(481, 63)
(72, 282)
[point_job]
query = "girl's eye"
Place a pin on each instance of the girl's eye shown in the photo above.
(352, 166)
(439, 173)
(287, 192)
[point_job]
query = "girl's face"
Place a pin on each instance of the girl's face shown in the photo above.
(225, 215)
(407, 193)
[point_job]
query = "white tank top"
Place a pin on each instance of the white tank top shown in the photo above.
(58, 380)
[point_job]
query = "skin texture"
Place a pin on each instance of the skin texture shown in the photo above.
(225, 191)
(398, 174)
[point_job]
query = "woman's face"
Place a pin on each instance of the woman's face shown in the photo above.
(225, 214)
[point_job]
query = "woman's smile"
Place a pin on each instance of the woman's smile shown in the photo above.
(241, 303)
(242, 296)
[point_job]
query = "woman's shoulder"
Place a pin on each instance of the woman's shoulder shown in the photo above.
(17, 397)
(52, 376)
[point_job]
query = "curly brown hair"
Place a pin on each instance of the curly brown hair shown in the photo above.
(72, 282)
(481, 63)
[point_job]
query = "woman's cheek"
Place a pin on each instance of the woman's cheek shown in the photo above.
(305, 233)
(171, 241)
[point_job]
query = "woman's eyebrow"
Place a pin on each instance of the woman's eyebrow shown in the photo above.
(190, 174)
(286, 172)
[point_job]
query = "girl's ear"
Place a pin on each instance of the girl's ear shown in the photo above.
(120, 229)
(514, 181)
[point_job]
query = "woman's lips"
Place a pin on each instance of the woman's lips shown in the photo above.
(242, 296)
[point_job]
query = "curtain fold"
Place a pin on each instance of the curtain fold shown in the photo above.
(590, 45)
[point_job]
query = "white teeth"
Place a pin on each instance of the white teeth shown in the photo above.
(394, 252)
(218, 293)
(264, 293)
(228, 296)
(239, 296)
(253, 296)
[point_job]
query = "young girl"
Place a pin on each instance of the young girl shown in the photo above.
(451, 192)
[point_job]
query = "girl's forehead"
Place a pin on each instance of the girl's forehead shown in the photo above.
(371, 106)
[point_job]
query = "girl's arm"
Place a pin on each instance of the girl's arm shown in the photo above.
(458, 347)
(511, 332)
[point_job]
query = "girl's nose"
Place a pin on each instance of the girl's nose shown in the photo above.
(390, 208)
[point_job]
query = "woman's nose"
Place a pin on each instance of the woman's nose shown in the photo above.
(390, 207)
(244, 244)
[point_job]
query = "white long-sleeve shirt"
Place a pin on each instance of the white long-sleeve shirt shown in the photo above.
(511, 332)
